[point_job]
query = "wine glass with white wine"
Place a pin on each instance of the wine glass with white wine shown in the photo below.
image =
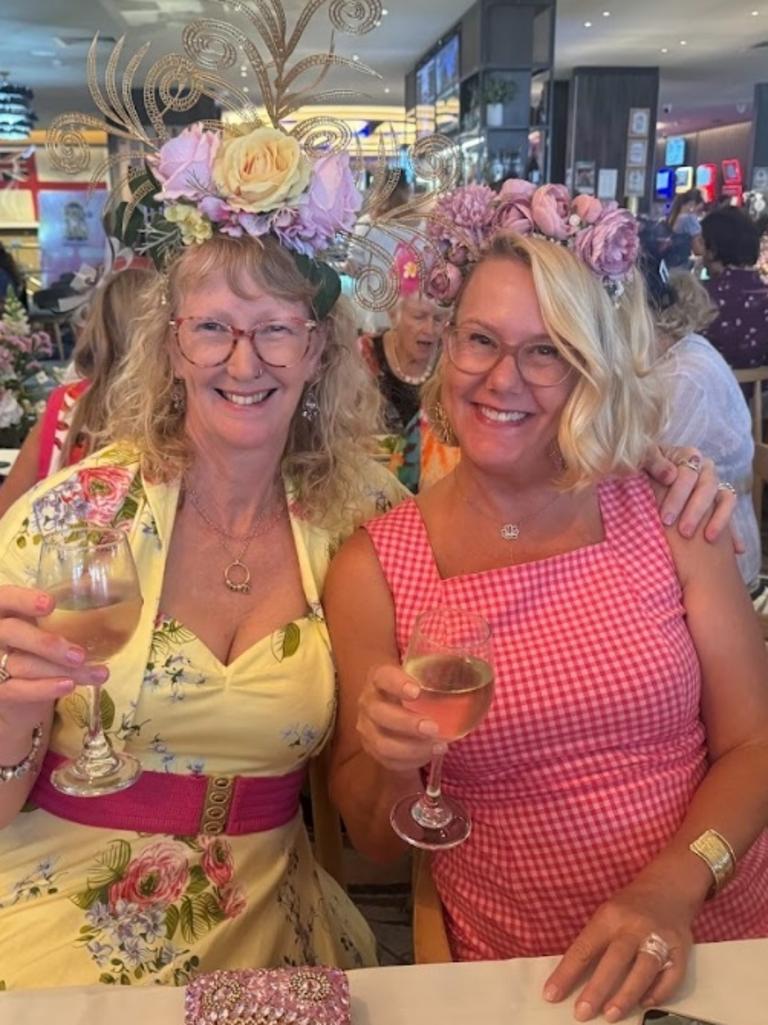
(449, 656)
(91, 574)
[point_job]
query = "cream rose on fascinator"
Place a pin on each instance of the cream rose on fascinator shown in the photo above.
(261, 171)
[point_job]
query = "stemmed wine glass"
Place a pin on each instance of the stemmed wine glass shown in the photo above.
(449, 655)
(91, 574)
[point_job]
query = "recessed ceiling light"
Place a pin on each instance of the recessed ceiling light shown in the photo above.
(683, 42)
(386, 88)
(384, 11)
(606, 14)
(665, 49)
(246, 89)
(587, 24)
(755, 13)
(355, 57)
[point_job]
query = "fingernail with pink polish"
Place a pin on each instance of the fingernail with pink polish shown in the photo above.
(584, 1011)
(42, 603)
(428, 728)
(65, 686)
(612, 1013)
(550, 993)
(99, 674)
(411, 691)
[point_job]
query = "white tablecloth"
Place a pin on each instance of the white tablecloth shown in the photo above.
(727, 982)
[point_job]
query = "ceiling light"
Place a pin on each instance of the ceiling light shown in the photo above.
(355, 57)
(246, 89)
(683, 42)
(755, 13)
(384, 11)
(665, 49)
(606, 14)
(587, 24)
(386, 88)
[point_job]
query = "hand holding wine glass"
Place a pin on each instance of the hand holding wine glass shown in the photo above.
(449, 655)
(90, 573)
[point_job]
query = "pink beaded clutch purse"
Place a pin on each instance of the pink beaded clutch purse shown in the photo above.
(278, 996)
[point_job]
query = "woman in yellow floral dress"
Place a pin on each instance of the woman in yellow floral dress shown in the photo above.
(243, 467)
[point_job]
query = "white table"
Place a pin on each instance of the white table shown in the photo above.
(727, 982)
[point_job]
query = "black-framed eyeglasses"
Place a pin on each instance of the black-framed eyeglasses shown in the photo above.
(207, 342)
(473, 351)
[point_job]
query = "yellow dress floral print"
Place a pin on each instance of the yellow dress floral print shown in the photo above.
(80, 904)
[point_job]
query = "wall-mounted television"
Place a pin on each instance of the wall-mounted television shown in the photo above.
(675, 151)
(447, 66)
(425, 83)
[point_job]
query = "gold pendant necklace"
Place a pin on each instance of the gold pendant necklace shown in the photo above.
(237, 576)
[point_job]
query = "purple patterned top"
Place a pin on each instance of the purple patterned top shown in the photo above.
(740, 332)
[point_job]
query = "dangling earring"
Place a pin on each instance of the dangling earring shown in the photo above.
(178, 397)
(310, 407)
(441, 425)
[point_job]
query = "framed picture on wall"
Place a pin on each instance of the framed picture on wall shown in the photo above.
(637, 152)
(634, 181)
(639, 122)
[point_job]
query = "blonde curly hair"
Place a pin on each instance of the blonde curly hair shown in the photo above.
(614, 412)
(323, 454)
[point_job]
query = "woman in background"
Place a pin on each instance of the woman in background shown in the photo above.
(704, 404)
(75, 413)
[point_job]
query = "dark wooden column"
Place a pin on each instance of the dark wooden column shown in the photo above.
(758, 174)
(601, 102)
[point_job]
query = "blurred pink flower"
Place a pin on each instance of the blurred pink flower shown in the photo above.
(551, 210)
(610, 247)
(443, 283)
(183, 165)
(587, 209)
(330, 205)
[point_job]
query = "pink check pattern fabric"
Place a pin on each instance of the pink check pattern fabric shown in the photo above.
(593, 747)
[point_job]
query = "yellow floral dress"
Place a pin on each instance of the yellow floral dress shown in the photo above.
(81, 905)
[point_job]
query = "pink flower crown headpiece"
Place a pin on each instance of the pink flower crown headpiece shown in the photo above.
(464, 223)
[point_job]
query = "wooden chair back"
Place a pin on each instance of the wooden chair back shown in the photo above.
(755, 376)
(430, 940)
(759, 478)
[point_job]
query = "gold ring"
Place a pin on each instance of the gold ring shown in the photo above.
(654, 945)
(4, 674)
(692, 463)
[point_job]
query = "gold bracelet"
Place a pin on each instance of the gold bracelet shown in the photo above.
(714, 849)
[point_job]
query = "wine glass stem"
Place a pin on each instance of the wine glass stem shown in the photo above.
(97, 751)
(430, 811)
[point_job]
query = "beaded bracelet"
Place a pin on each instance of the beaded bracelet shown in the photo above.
(11, 772)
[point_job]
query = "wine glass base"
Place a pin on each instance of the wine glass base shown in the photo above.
(70, 778)
(429, 838)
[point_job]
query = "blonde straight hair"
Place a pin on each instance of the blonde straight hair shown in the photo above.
(613, 415)
(323, 453)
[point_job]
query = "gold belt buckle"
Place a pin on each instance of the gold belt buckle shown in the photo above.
(218, 798)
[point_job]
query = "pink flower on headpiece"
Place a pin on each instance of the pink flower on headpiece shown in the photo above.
(330, 205)
(443, 283)
(610, 246)
(551, 211)
(183, 165)
(462, 222)
(406, 263)
(512, 210)
(588, 209)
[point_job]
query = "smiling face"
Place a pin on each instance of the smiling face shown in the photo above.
(242, 404)
(504, 425)
(419, 324)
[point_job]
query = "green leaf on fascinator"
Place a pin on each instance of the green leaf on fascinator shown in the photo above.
(325, 278)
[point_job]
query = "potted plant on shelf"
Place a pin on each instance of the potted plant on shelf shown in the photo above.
(22, 379)
(497, 92)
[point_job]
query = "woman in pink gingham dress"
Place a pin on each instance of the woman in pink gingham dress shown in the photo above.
(630, 713)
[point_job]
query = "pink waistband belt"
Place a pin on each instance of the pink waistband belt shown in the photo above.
(164, 802)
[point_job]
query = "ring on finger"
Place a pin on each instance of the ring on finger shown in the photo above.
(4, 672)
(692, 462)
(654, 945)
(725, 485)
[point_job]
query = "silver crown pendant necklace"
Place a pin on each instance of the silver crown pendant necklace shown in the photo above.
(508, 531)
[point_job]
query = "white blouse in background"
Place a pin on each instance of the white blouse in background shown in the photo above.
(706, 408)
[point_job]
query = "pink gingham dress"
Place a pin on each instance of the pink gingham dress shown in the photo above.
(593, 747)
